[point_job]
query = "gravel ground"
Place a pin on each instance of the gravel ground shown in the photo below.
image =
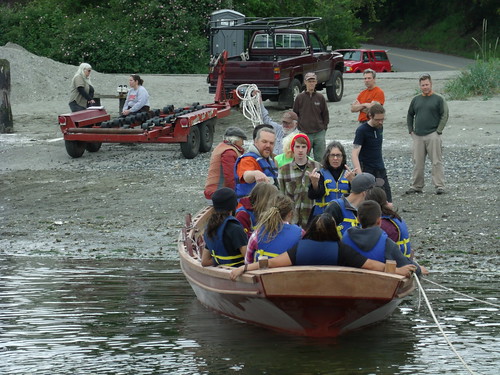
(129, 201)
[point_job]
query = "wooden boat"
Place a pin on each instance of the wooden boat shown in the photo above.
(317, 301)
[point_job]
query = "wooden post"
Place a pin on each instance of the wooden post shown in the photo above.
(6, 121)
(390, 266)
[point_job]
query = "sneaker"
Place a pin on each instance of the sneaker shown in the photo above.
(413, 191)
(440, 191)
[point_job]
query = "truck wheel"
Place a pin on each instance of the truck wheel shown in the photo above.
(75, 149)
(206, 135)
(191, 147)
(93, 146)
(287, 96)
(336, 90)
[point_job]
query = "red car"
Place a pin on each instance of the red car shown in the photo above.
(357, 60)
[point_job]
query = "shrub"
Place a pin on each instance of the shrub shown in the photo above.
(482, 77)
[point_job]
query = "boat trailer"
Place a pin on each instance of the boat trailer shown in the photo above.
(192, 126)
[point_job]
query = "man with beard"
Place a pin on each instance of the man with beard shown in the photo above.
(367, 147)
(257, 165)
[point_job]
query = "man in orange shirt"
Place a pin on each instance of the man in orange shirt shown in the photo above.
(368, 97)
(257, 165)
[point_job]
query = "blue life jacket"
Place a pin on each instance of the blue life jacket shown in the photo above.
(350, 220)
(219, 252)
(376, 253)
(316, 253)
(333, 190)
(268, 167)
(289, 235)
(403, 235)
(253, 221)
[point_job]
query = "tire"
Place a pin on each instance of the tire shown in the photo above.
(191, 147)
(75, 149)
(335, 91)
(206, 135)
(93, 146)
(287, 96)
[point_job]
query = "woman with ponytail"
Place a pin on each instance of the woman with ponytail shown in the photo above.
(274, 234)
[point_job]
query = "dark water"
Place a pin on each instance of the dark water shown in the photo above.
(138, 317)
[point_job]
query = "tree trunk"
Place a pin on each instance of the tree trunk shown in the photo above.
(6, 121)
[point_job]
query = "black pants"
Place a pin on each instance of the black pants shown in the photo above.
(380, 173)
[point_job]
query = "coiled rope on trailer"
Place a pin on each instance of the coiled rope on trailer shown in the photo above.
(440, 328)
(249, 95)
(462, 294)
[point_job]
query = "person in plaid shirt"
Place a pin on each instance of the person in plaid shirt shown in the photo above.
(294, 180)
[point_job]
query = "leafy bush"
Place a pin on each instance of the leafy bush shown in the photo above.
(147, 36)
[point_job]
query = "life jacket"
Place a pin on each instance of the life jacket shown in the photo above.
(350, 220)
(253, 220)
(289, 235)
(333, 190)
(266, 165)
(376, 253)
(216, 246)
(316, 253)
(215, 176)
(403, 235)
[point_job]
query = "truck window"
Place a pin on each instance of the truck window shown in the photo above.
(381, 56)
(316, 43)
(282, 41)
(365, 57)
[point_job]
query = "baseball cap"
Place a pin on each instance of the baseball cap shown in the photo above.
(310, 75)
(365, 181)
(290, 116)
(234, 131)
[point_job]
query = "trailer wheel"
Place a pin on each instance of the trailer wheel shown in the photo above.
(206, 135)
(93, 146)
(75, 149)
(336, 90)
(287, 96)
(191, 147)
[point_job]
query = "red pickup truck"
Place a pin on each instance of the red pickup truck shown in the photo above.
(277, 58)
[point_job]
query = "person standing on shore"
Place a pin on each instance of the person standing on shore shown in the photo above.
(426, 119)
(82, 91)
(313, 114)
(367, 147)
(368, 97)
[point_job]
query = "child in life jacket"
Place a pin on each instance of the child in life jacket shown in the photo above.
(225, 239)
(274, 234)
(254, 205)
(371, 241)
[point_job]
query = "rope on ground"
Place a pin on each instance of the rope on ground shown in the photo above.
(462, 294)
(249, 95)
(440, 328)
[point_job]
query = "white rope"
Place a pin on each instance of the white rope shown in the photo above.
(249, 95)
(462, 294)
(440, 328)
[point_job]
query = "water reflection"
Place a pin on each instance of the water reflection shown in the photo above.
(67, 316)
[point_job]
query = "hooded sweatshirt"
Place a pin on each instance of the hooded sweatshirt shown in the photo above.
(366, 239)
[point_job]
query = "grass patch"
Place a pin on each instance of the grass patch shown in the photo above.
(482, 78)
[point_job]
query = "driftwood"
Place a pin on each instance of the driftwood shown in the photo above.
(6, 121)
